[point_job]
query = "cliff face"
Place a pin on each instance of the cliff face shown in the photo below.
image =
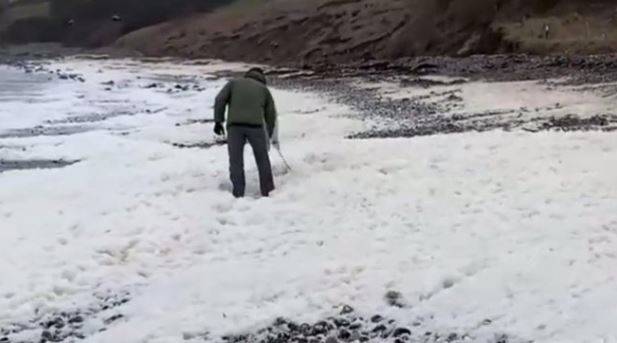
(300, 31)
(350, 30)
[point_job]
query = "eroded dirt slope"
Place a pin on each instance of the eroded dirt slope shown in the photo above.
(350, 30)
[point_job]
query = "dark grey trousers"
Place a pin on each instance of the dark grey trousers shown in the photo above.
(237, 136)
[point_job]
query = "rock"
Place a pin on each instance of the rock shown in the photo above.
(113, 318)
(52, 322)
(355, 326)
(344, 334)
(376, 318)
(292, 327)
(347, 309)
(320, 328)
(452, 337)
(379, 328)
(340, 322)
(331, 340)
(305, 328)
(279, 321)
(46, 335)
(394, 298)
(425, 68)
(401, 331)
(59, 324)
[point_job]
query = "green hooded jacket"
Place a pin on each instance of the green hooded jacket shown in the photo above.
(249, 100)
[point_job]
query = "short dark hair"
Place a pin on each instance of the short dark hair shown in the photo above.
(256, 70)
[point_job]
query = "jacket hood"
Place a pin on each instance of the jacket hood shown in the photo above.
(256, 75)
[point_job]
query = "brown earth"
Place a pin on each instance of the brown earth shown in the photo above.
(336, 31)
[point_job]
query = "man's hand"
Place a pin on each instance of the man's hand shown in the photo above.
(219, 129)
(276, 144)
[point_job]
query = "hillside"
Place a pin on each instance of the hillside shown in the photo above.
(300, 31)
(317, 31)
(91, 23)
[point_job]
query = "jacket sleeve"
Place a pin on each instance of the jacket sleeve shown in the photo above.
(270, 113)
(221, 102)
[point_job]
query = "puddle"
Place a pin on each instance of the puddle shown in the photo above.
(90, 118)
(15, 84)
(198, 145)
(6, 165)
(195, 121)
(45, 131)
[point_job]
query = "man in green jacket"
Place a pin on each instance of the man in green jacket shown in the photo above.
(251, 117)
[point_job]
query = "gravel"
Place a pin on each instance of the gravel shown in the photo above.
(70, 325)
(350, 326)
(419, 116)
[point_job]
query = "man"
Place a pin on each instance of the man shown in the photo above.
(251, 117)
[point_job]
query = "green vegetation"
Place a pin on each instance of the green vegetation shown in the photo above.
(248, 3)
(134, 13)
(90, 21)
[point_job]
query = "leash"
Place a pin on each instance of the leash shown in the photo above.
(278, 149)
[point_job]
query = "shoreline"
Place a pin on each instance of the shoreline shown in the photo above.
(408, 231)
(431, 90)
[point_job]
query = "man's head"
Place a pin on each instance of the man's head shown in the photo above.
(256, 74)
